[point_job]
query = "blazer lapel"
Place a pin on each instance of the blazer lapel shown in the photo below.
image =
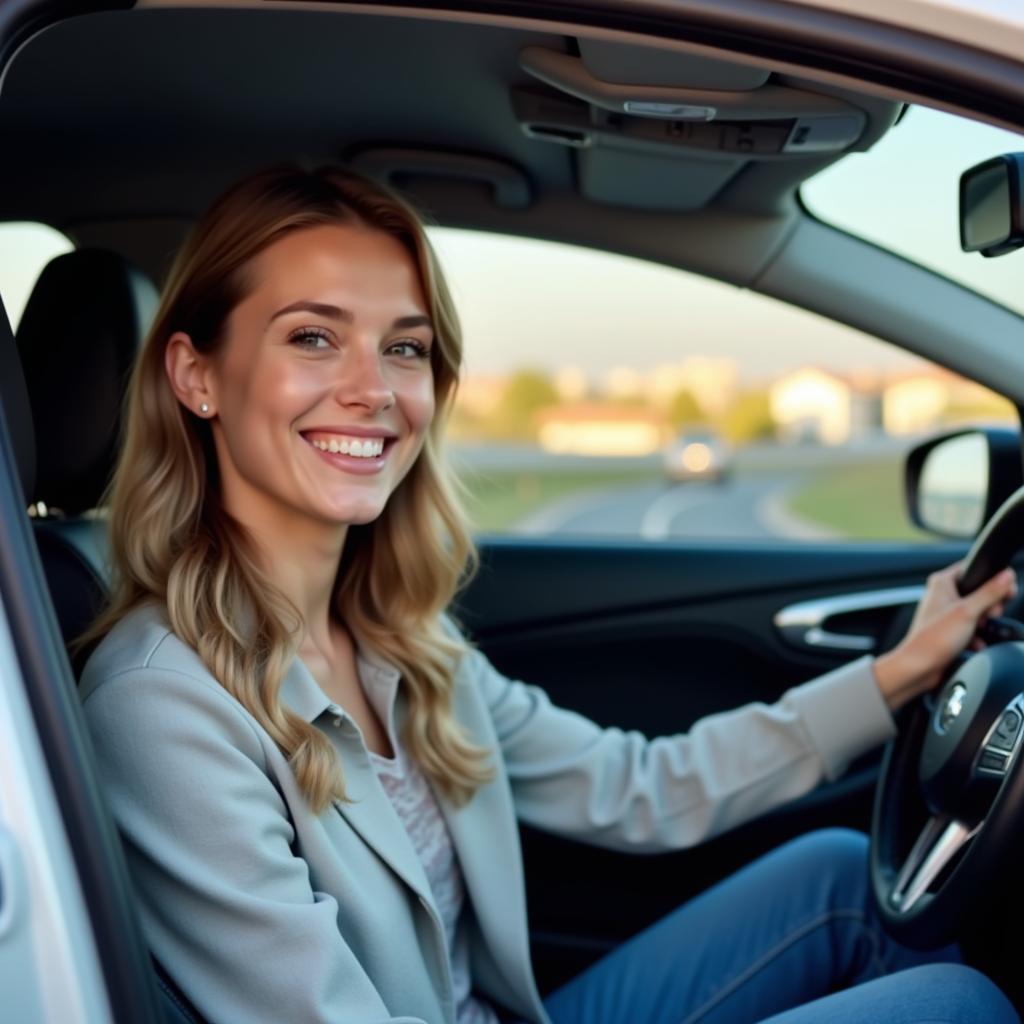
(369, 810)
(486, 840)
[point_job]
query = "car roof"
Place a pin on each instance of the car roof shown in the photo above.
(993, 25)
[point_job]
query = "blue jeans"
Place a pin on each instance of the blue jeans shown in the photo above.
(792, 938)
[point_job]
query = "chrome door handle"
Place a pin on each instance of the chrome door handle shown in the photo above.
(805, 624)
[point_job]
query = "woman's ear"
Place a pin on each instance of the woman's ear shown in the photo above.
(189, 374)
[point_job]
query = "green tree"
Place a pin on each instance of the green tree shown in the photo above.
(749, 418)
(684, 410)
(527, 391)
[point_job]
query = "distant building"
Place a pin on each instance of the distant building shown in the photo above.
(571, 383)
(587, 428)
(829, 408)
(623, 382)
(713, 382)
(480, 393)
(926, 400)
(915, 404)
(812, 405)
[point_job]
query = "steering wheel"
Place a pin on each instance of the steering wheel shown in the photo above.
(947, 815)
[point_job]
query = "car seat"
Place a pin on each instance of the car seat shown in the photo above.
(77, 341)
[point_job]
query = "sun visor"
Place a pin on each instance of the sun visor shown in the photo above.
(646, 181)
(639, 65)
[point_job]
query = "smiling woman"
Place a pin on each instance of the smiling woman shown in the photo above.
(306, 311)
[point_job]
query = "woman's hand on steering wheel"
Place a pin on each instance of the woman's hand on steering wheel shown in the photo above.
(944, 625)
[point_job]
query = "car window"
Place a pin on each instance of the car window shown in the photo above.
(903, 194)
(25, 248)
(608, 396)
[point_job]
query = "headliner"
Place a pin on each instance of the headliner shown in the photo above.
(150, 113)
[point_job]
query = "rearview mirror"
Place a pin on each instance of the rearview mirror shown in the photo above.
(955, 482)
(991, 211)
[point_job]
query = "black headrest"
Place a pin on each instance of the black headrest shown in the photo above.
(78, 338)
(14, 403)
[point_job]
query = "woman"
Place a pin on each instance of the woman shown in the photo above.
(317, 779)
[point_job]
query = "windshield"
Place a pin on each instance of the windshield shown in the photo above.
(903, 195)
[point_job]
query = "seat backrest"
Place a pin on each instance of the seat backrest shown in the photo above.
(77, 341)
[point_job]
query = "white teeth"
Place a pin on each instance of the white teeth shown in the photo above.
(367, 449)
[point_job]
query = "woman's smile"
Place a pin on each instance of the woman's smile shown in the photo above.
(352, 453)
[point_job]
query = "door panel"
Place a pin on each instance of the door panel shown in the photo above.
(653, 637)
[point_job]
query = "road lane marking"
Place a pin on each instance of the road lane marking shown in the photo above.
(556, 516)
(657, 521)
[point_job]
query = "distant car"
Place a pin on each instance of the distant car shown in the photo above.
(698, 455)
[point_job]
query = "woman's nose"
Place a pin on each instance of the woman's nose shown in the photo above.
(363, 382)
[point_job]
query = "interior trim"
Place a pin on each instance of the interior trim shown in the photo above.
(847, 279)
(21, 20)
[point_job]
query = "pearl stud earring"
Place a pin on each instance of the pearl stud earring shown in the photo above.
(204, 408)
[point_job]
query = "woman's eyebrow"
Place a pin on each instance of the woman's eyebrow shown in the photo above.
(413, 321)
(337, 313)
(319, 308)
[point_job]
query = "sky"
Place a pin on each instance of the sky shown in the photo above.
(527, 303)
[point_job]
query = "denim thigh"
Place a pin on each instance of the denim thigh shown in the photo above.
(792, 927)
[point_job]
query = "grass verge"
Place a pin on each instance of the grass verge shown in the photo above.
(498, 500)
(861, 501)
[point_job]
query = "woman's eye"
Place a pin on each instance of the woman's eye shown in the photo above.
(310, 339)
(410, 348)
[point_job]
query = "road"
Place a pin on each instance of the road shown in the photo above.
(745, 508)
(751, 505)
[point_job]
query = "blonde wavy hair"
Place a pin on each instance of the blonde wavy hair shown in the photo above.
(172, 540)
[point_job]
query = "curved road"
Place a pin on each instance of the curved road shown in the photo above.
(747, 508)
(751, 505)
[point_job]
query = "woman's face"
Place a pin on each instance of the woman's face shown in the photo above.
(323, 391)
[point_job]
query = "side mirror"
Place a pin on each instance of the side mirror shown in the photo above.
(992, 206)
(955, 482)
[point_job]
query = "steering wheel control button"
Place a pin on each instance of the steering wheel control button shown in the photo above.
(1002, 630)
(951, 707)
(1007, 730)
(993, 761)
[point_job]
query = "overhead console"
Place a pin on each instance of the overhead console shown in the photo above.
(668, 130)
(616, 93)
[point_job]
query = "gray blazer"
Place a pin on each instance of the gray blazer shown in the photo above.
(265, 912)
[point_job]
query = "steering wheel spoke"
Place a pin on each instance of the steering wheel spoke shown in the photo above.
(938, 843)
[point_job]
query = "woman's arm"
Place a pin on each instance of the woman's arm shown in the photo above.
(226, 906)
(621, 790)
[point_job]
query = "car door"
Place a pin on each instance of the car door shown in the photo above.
(652, 640)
